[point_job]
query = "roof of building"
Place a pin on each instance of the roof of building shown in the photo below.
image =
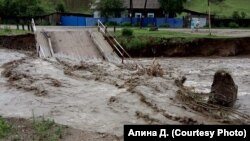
(139, 4)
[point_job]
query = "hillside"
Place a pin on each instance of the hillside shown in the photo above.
(78, 6)
(223, 9)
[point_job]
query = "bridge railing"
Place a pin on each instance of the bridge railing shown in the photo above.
(118, 47)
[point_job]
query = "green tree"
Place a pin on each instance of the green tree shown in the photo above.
(243, 15)
(172, 7)
(1, 8)
(236, 15)
(110, 8)
(19, 8)
(60, 7)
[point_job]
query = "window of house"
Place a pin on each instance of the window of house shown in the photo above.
(151, 15)
(138, 15)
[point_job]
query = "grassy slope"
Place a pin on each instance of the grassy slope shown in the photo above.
(225, 8)
(143, 37)
(9, 32)
(76, 6)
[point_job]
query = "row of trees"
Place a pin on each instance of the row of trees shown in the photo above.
(172, 7)
(28, 8)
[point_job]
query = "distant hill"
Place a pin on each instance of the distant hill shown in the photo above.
(223, 9)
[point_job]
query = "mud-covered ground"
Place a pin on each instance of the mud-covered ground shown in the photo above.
(101, 97)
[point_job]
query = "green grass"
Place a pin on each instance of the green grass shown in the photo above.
(165, 34)
(224, 9)
(5, 128)
(47, 130)
(142, 38)
(37, 130)
(8, 32)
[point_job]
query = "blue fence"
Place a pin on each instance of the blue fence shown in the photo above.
(171, 22)
(73, 21)
(82, 21)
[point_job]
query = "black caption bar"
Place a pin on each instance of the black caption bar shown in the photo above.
(188, 132)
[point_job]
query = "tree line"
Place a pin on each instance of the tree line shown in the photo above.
(28, 8)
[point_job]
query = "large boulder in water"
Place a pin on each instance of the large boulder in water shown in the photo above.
(223, 91)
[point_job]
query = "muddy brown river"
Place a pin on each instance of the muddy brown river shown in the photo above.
(200, 71)
(102, 97)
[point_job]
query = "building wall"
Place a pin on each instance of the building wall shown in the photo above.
(157, 12)
(97, 14)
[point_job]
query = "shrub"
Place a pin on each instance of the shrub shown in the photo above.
(154, 28)
(136, 43)
(233, 25)
(127, 32)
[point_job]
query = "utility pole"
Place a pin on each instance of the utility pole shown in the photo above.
(130, 11)
(209, 17)
(144, 13)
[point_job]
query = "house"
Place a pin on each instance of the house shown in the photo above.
(193, 16)
(143, 8)
(137, 9)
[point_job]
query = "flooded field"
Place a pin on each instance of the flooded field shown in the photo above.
(102, 97)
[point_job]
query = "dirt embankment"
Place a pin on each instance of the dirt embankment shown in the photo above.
(198, 47)
(19, 42)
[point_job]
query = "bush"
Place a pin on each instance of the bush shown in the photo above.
(136, 43)
(127, 32)
(233, 25)
(122, 40)
(155, 28)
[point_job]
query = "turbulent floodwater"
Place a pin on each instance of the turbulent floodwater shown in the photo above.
(102, 97)
(200, 71)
